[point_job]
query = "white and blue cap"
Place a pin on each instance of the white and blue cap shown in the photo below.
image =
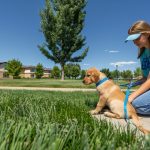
(133, 37)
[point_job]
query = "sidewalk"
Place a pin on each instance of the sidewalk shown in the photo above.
(51, 89)
(47, 89)
(144, 120)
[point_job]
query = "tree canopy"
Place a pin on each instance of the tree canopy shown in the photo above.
(14, 68)
(39, 72)
(62, 22)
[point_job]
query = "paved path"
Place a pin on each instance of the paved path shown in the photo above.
(145, 121)
(47, 89)
(50, 89)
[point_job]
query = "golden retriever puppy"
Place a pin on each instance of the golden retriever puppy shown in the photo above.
(111, 95)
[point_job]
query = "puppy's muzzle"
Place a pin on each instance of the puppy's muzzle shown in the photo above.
(83, 81)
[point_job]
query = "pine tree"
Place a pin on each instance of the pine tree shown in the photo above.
(62, 22)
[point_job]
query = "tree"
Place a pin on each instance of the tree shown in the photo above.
(72, 70)
(55, 72)
(14, 68)
(115, 74)
(39, 71)
(106, 72)
(83, 72)
(127, 74)
(67, 70)
(62, 22)
(75, 71)
(138, 72)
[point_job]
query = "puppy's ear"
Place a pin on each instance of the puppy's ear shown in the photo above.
(96, 73)
(102, 75)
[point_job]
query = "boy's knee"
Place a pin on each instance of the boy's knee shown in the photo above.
(143, 110)
(134, 104)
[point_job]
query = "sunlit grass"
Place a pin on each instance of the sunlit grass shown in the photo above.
(53, 83)
(58, 120)
(44, 83)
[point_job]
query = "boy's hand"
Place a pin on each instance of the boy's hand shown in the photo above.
(132, 97)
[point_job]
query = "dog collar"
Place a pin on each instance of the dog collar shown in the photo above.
(101, 81)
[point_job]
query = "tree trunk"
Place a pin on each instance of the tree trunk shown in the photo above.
(62, 72)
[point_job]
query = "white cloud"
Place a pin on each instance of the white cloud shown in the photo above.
(86, 64)
(111, 51)
(123, 63)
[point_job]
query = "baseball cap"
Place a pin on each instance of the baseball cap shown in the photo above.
(133, 37)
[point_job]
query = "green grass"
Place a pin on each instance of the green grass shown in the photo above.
(49, 83)
(58, 120)
(44, 83)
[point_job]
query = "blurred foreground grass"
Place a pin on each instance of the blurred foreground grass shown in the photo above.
(58, 120)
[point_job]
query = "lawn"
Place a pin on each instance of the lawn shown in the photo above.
(48, 83)
(58, 120)
(44, 83)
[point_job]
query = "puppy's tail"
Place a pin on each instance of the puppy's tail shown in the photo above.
(139, 126)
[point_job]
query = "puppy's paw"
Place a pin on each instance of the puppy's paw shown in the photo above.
(107, 114)
(94, 112)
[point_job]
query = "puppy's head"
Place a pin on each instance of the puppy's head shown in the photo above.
(93, 75)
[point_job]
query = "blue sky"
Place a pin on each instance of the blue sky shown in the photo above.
(106, 25)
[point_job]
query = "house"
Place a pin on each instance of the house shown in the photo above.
(26, 72)
(29, 72)
(2, 70)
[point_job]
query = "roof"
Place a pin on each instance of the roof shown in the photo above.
(3, 62)
(34, 67)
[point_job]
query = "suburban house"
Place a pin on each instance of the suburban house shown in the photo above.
(26, 72)
(29, 72)
(2, 69)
